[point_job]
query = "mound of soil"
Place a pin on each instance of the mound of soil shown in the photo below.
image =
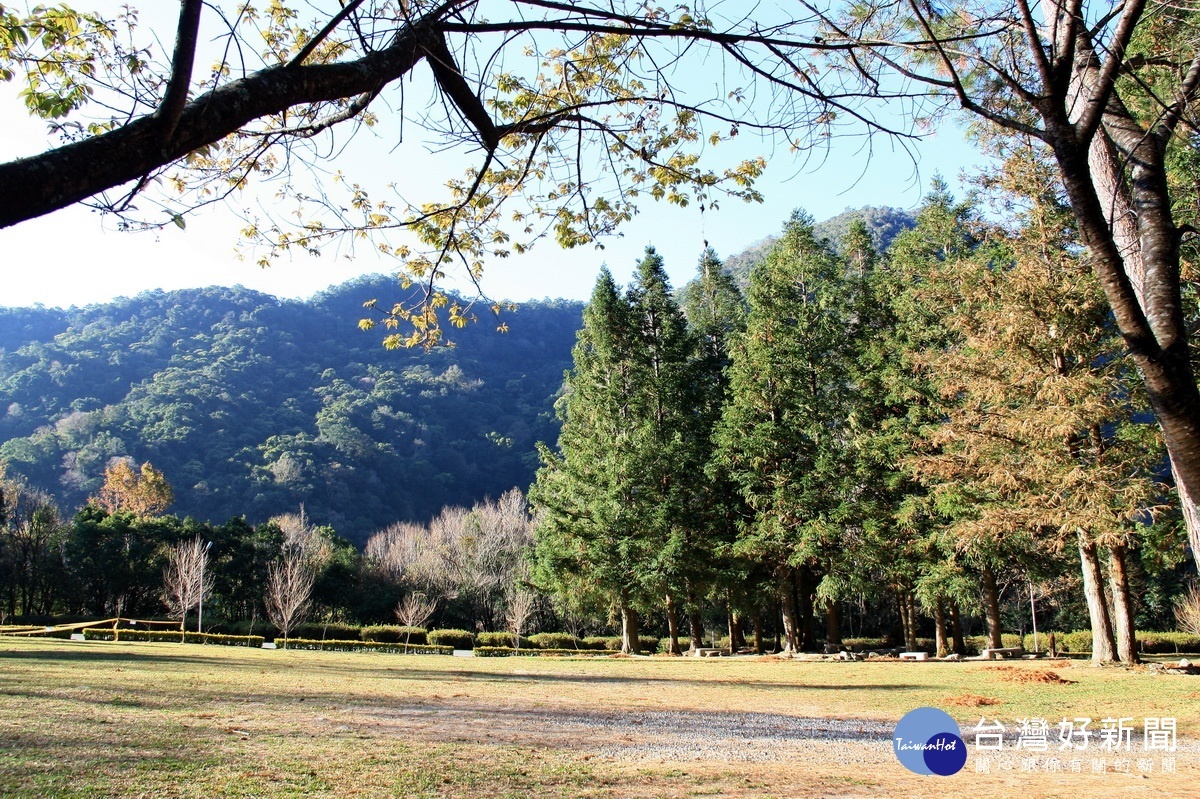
(1015, 674)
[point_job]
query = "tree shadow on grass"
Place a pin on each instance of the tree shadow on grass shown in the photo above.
(402, 672)
(89, 655)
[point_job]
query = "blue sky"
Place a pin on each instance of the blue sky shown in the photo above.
(74, 257)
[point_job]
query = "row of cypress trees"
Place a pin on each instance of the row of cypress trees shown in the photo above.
(833, 434)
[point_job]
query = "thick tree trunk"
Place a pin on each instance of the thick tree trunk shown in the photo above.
(758, 632)
(956, 630)
(899, 632)
(805, 584)
(991, 607)
(833, 623)
(1191, 512)
(942, 646)
(695, 619)
(911, 643)
(1103, 650)
(788, 612)
(629, 630)
(737, 640)
(672, 626)
(696, 624)
(1116, 183)
(1147, 307)
(778, 626)
(1122, 602)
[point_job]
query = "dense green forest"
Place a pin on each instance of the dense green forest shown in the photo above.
(255, 406)
(921, 430)
(942, 434)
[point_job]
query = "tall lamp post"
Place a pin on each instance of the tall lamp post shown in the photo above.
(200, 621)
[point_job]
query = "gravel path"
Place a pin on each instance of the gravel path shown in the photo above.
(743, 737)
(676, 736)
(649, 734)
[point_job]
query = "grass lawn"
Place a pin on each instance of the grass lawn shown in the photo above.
(168, 720)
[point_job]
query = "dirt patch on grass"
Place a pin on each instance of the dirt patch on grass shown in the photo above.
(1023, 675)
(971, 700)
(628, 735)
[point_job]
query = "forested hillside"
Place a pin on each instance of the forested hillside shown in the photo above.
(883, 224)
(253, 405)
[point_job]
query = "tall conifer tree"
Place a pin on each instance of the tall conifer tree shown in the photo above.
(591, 537)
(669, 392)
(782, 433)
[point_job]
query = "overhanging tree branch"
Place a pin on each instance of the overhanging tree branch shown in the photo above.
(175, 97)
(40, 184)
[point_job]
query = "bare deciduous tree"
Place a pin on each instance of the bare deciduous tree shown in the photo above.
(301, 536)
(470, 554)
(398, 552)
(1187, 611)
(520, 603)
(415, 611)
(185, 582)
(288, 596)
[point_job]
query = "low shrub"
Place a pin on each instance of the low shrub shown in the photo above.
(1156, 643)
(331, 631)
(330, 645)
(1079, 642)
(456, 639)
(646, 643)
(501, 640)
(975, 644)
(602, 642)
(245, 627)
(171, 637)
(508, 651)
(864, 644)
(556, 641)
(1075, 642)
(684, 643)
(394, 634)
(1043, 641)
(494, 651)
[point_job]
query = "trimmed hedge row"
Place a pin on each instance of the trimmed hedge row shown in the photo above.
(455, 639)
(611, 643)
(170, 637)
(327, 631)
(1149, 642)
(393, 634)
(501, 640)
(556, 641)
(508, 651)
(974, 643)
(602, 642)
(362, 646)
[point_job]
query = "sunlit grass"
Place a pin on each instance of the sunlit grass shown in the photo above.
(102, 719)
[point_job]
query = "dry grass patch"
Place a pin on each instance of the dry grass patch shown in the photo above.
(170, 720)
(971, 700)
